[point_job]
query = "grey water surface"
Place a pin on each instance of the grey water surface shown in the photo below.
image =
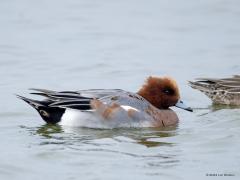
(81, 44)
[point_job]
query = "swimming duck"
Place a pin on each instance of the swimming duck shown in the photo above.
(111, 108)
(220, 91)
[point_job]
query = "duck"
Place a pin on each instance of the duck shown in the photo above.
(222, 91)
(112, 108)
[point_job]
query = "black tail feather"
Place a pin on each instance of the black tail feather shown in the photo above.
(33, 103)
(49, 114)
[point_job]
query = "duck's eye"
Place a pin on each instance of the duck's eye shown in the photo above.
(168, 91)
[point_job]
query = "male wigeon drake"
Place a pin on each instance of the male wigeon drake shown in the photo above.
(111, 108)
(220, 91)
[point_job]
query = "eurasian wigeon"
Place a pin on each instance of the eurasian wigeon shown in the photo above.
(111, 108)
(220, 91)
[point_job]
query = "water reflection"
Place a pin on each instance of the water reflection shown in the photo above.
(48, 130)
(217, 107)
(149, 137)
(153, 147)
(214, 108)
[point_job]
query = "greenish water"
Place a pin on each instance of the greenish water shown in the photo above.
(71, 45)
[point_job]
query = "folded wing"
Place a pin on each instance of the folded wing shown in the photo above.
(74, 99)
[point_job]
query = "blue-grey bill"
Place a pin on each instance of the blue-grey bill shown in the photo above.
(181, 105)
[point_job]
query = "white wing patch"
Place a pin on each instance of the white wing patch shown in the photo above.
(129, 108)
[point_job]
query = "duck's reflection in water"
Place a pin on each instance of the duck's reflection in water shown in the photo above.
(213, 108)
(149, 137)
(153, 147)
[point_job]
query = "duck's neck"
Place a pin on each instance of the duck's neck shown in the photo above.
(153, 99)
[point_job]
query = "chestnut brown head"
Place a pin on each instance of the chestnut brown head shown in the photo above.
(162, 92)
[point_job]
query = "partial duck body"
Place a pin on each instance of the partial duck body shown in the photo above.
(221, 91)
